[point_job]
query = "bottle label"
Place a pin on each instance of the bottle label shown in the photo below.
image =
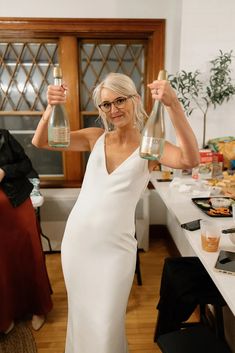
(151, 147)
(59, 136)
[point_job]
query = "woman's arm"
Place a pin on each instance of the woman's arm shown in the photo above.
(80, 140)
(186, 154)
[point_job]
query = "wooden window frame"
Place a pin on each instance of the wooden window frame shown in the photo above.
(68, 32)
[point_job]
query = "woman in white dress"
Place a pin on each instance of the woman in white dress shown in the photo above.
(99, 247)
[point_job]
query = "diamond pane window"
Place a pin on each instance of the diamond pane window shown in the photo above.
(26, 69)
(98, 59)
(25, 72)
(47, 163)
(87, 50)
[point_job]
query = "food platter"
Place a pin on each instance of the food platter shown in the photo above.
(205, 205)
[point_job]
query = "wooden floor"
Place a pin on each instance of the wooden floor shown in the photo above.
(141, 311)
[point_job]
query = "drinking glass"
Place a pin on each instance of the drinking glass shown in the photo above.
(210, 235)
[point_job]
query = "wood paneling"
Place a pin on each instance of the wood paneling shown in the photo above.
(85, 27)
(69, 49)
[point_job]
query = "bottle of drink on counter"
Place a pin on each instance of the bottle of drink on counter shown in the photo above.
(58, 124)
(153, 135)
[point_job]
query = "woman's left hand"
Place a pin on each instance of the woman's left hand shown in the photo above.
(162, 90)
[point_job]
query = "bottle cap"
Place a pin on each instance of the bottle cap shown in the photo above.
(162, 75)
(57, 72)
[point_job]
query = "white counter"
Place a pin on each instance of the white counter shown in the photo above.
(181, 209)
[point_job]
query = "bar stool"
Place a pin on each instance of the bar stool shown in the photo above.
(138, 270)
(197, 339)
(37, 200)
(185, 280)
(137, 267)
(185, 285)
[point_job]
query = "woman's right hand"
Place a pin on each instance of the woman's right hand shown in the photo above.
(56, 94)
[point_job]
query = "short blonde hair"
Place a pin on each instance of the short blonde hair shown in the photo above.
(123, 85)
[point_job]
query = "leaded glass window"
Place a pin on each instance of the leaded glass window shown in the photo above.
(86, 49)
(26, 69)
(98, 59)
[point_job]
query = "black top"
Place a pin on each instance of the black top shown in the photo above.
(16, 166)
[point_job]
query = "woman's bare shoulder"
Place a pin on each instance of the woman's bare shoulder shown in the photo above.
(90, 131)
(84, 139)
(94, 133)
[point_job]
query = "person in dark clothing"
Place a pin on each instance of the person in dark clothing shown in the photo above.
(184, 284)
(24, 284)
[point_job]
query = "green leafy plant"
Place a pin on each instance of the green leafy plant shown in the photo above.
(194, 92)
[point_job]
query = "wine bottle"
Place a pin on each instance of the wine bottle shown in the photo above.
(58, 124)
(153, 134)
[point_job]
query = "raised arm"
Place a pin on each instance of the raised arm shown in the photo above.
(185, 154)
(80, 140)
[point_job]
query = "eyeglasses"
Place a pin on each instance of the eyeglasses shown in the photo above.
(118, 103)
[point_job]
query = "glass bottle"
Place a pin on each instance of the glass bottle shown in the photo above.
(153, 134)
(58, 124)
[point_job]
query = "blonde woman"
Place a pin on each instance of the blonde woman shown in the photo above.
(99, 247)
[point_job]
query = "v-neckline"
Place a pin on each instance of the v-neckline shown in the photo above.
(123, 162)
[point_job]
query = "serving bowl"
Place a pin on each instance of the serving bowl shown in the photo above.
(218, 202)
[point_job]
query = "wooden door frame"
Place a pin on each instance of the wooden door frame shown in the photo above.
(68, 32)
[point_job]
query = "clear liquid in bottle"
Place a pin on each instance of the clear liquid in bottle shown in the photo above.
(58, 124)
(153, 134)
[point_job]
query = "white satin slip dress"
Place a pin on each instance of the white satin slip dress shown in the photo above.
(99, 253)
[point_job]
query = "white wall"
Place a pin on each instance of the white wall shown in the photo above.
(208, 26)
(168, 9)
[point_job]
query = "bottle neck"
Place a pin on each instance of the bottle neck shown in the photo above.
(57, 81)
(157, 110)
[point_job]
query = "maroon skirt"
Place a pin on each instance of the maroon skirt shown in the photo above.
(24, 284)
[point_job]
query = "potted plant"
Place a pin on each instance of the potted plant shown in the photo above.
(195, 93)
